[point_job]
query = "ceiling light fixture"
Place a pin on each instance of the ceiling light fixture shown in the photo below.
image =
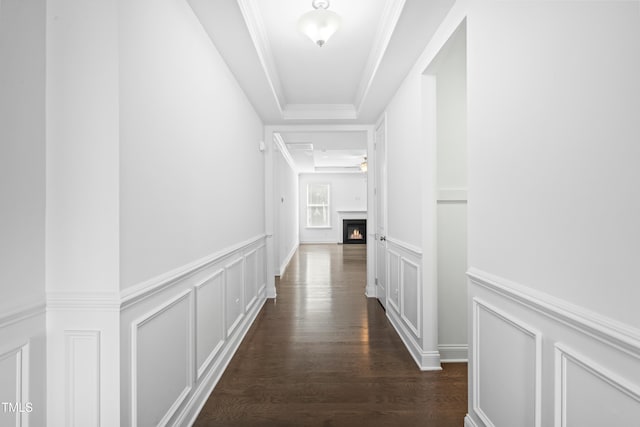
(363, 165)
(319, 24)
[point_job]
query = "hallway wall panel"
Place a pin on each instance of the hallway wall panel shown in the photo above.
(178, 336)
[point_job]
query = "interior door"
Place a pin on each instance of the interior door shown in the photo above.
(381, 213)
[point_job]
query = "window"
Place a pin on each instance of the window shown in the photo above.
(318, 205)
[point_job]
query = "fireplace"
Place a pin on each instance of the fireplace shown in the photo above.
(354, 231)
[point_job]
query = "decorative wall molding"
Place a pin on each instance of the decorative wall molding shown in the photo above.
(27, 311)
(563, 356)
(282, 148)
(416, 251)
(250, 275)
(588, 322)
(199, 287)
(390, 16)
(393, 280)
(137, 293)
(135, 326)
(20, 356)
(205, 386)
(236, 298)
(83, 301)
(82, 373)
(479, 305)
(252, 17)
(415, 328)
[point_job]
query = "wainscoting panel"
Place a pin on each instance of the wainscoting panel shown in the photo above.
(588, 394)
(162, 372)
(405, 304)
(210, 327)
(234, 290)
(410, 295)
(82, 372)
(262, 272)
(393, 288)
(587, 373)
(14, 385)
(506, 368)
(250, 278)
(180, 330)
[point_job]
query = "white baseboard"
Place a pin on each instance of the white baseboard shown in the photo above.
(370, 291)
(426, 360)
(454, 353)
(318, 242)
(287, 260)
(468, 422)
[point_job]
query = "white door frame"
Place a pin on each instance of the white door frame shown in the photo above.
(271, 212)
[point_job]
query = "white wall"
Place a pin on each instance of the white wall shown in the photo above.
(348, 192)
(286, 235)
(22, 209)
(404, 166)
(553, 177)
(191, 172)
(553, 212)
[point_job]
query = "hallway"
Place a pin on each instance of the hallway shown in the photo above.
(324, 355)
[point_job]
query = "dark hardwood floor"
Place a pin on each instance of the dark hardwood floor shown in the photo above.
(324, 355)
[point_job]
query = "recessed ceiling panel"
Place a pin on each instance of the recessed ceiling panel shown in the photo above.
(321, 75)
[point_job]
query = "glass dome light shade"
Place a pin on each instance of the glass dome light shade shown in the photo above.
(319, 25)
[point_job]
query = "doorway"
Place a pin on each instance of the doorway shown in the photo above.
(448, 77)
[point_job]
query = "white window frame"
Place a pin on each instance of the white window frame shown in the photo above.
(327, 206)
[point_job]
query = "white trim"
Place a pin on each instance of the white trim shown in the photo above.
(468, 421)
(609, 331)
(386, 27)
(414, 328)
(319, 112)
(564, 354)
(83, 301)
(71, 337)
(406, 246)
(282, 147)
(144, 290)
(452, 195)
(135, 325)
(21, 355)
(236, 322)
(25, 312)
(255, 26)
(453, 353)
(216, 349)
(287, 259)
(248, 304)
(426, 360)
(394, 305)
(528, 330)
(201, 393)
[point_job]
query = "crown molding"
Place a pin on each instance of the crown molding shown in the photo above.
(258, 33)
(319, 112)
(282, 147)
(386, 27)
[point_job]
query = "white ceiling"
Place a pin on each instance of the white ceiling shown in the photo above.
(326, 151)
(290, 80)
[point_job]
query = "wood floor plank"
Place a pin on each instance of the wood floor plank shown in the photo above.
(324, 355)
